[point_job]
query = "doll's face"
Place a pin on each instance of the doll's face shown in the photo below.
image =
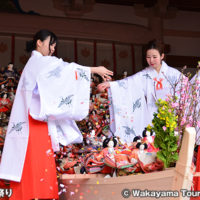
(103, 138)
(148, 133)
(125, 73)
(89, 124)
(5, 96)
(142, 147)
(92, 133)
(10, 67)
(111, 143)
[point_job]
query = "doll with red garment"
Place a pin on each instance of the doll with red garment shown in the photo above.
(147, 160)
(134, 160)
(102, 125)
(93, 162)
(11, 82)
(148, 138)
(95, 118)
(113, 156)
(91, 139)
(11, 93)
(136, 140)
(5, 103)
(109, 145)
(3, 88)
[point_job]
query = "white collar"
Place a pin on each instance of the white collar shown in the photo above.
(36, 53)
(163, 69)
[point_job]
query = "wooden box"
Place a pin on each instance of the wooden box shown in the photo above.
(168, 182)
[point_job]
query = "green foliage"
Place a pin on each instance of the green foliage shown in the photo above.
(164, 124)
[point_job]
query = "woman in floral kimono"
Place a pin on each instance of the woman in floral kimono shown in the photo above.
(51, 95)
(133, 98)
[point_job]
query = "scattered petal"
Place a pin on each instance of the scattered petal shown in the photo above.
(71, 193)
(62, 185)
(64, 190)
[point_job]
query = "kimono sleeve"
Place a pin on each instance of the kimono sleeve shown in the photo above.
(62, 93)
(128, 108)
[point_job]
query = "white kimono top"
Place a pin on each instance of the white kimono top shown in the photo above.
(133, 99)
(49, 90)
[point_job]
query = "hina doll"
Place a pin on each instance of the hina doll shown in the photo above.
(5, 103)
(3, 89)
(10, 72)
(11, 95)
(95, 118)
(148, 138)
(109, 153)
(148, 160)
(133, 98)
(51, 95)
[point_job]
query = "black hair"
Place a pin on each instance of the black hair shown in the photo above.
(41, 35)
(83, 170)
(93, 111)
(144, 133)
(139, 144)
(3, 93)
(136, 138)
(155, 44)
(107, 140)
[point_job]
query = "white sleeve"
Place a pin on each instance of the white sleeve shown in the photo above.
(130, 115)
(62, 93)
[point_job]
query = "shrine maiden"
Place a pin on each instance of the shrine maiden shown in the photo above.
(133, 98)
(52, 92)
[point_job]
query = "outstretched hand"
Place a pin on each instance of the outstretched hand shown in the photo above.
(103, 72)
(102, 86)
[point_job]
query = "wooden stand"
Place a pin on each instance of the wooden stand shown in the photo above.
(94, 187)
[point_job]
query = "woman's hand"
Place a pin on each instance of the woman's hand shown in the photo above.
(103, 72)
(102, 86)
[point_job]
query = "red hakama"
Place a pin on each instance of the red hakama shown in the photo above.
(39, 179)
(196, 180)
